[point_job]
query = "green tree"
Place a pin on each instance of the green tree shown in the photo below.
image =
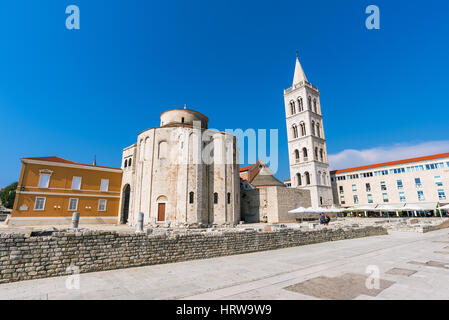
(8, 195)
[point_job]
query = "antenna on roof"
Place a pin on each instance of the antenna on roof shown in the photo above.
(95, 160)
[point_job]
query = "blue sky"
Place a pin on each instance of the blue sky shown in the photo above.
(80, 93)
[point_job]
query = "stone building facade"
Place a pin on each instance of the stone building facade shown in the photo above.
(181, 173)
(309, 167)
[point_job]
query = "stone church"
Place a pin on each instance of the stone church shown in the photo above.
(181, 173)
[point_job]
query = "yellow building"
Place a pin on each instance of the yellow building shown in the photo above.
(51, 189)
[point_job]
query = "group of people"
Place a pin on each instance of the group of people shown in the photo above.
(324, 219)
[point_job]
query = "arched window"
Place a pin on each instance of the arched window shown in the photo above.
(141, 150)
(295, 131)
(300, 104)
(310, 102)
(316, 153)
(318, 177)
(215, 198)
(162, 150)
(321, 154)
(314, 105)
(307, 177)
(318, 131)
(304, 153)
(130, 162)
(229, 197)
(303, 128)
(313, 127)
(292, 107)
(191, 195)
(126, 163)
(298, 178)
(324, 179)
(297, 155)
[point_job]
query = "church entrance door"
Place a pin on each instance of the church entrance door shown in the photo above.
(161, 212)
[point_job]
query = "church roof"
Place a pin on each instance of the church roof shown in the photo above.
(266, 180)
(299, 73)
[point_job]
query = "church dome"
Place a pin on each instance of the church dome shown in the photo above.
(183, 117)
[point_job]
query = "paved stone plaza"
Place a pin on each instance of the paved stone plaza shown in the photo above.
(411, 265)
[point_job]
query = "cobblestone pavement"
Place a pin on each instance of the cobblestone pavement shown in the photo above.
(411, 266)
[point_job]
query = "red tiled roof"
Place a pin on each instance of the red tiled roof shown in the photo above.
(61, 160)
(245, 168)
(392, 163)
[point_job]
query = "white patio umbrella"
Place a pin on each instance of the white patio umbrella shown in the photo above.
(305, 210)
(446, 207)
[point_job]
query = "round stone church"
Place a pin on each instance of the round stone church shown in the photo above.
(181, 173)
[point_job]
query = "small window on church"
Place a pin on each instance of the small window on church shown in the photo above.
(229, 197)
(191, 195)
(215, 198)
(182, 120)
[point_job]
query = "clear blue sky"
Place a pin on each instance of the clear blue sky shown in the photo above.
(91, 91)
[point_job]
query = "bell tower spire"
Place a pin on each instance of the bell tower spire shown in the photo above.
(299, 72)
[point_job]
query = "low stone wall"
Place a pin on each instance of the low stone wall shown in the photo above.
(440, 226)
(30, 257)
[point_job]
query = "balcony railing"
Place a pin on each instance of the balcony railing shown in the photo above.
(299, 85)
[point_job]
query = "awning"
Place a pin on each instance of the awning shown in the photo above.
(423, 205)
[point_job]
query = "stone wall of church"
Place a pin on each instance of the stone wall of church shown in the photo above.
(26, 257)
(271, 204)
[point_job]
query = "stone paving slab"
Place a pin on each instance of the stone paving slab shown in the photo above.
(437, 264)
(264, 275)
(346, 287)
(401, 272)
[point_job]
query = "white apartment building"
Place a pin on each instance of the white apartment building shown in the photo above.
(423, 181)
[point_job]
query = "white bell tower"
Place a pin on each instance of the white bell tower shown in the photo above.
(309, 167)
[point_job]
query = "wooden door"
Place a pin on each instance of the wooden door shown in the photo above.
(161, 212)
